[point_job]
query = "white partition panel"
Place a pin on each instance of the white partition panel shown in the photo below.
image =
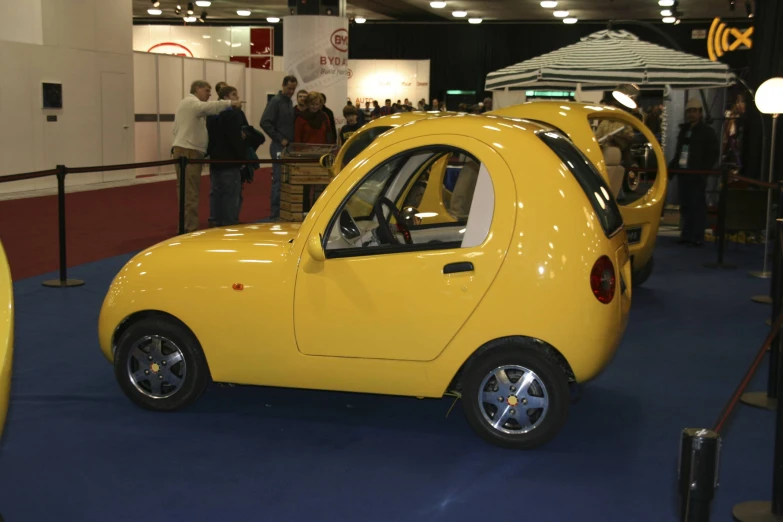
(170, 86)
(235, 76)
(215, 72)
(194, 70)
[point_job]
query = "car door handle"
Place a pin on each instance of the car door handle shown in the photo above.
(453, 268)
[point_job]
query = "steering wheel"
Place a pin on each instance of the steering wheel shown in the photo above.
(385, 231)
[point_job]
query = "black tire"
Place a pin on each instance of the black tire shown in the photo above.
(638, 277)
(192, 360)
(547, 371)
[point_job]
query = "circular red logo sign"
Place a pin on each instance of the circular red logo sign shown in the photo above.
(340, 40)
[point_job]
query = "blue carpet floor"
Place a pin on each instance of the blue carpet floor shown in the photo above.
(75, 449)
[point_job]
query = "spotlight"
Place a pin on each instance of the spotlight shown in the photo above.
(669, 20)
(732, 4)
(203, 16)
(189, 19)
(665, 3)
(749, 8)
(560, 14)
(272, 19)
(190, 8)
(666, 12)
(474, 20)
(570, 20)
(178, 10)
(203, 3)
(243, 12)
(155, 3)
(437, 5)
(459, 14)
(155, 12)
(548, 4)
(359, 20)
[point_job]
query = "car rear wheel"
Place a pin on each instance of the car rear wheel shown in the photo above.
(159, 365)
(516, 397)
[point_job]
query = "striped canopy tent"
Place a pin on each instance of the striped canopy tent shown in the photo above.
(606, 59)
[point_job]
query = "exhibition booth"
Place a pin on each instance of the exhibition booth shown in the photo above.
(494, 249)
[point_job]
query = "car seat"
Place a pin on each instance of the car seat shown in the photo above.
(613, 157)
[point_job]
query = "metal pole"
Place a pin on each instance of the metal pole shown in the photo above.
(698, 473)
(722, 209)
(764, 274)
(63, 281)
(183, 165)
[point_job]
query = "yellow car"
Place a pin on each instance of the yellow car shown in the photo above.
(6, 335)
(578, 121)
(527, 292)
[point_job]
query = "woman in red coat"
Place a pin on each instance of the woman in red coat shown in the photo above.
(314, 127)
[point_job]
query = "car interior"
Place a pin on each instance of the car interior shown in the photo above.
(384, 210)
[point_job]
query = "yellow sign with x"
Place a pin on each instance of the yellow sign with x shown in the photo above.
(718, 39)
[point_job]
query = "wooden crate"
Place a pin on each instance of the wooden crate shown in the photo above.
(286, 188)
(292, 198)
(291, 216)
(291, 207)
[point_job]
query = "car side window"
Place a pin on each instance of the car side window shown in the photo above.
(382, 213)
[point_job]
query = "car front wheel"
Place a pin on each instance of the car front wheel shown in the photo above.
(159, 365)
(516, 397)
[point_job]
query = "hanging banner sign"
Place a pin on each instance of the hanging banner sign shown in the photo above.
(315, 50)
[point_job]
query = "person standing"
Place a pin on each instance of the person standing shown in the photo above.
(191, 141)
(697, 149)
(278, 122)
(226, 142)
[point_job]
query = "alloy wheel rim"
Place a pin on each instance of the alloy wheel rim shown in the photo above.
(156, 366)
(513, 400)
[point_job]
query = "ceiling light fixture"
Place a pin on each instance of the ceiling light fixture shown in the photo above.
(570, 20)
(272, 19)
(666, 12)
(437, 5)
(548, 4)
(748, 8)
(626, 94)
(665, 3)
(459, 14)
(155, 3)
(669, 20)
(190, 8)
(189, 19)
(560, 14)
(474, 20)
(243, 12)
(203, 3)
(155, 12)
(359, 19)
(203, 17)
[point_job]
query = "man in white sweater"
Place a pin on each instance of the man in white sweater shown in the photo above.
(191, 140)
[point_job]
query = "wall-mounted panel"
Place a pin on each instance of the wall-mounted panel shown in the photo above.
(194, 70)
(170, 86)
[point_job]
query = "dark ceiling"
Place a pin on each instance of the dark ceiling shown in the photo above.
(488, 10)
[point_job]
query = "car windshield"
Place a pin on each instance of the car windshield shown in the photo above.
(362, 141)
(593, 185)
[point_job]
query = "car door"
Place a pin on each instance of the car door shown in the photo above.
(368, 299)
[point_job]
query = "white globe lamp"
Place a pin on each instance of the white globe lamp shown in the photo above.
(769, 96)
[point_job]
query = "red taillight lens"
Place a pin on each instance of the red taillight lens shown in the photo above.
(602, 279)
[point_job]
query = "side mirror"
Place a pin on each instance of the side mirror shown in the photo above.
(315, 249)
(327, 161)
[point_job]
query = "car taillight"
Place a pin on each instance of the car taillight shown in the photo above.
(602, 280)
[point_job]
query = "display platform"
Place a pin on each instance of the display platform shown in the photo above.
(75, 448)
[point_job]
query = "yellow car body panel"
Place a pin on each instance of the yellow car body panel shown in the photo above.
(573, 119)
(266, 312)
(6, 335)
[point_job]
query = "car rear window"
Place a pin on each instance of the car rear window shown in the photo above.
(361, 142)
(594, 186)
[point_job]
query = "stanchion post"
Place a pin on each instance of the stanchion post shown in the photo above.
(183, 165)
(768, 400)
(722, 209)
(698, 473)
(63, 281)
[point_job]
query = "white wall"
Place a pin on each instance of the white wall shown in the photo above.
(160, 83)
(82, 41)
(394, 79)
(20, 21)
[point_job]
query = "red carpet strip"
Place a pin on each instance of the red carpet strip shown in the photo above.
(107, 222)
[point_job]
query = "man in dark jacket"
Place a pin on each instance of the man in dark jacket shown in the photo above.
(226, 142)
(278, 123)
(697, 149)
